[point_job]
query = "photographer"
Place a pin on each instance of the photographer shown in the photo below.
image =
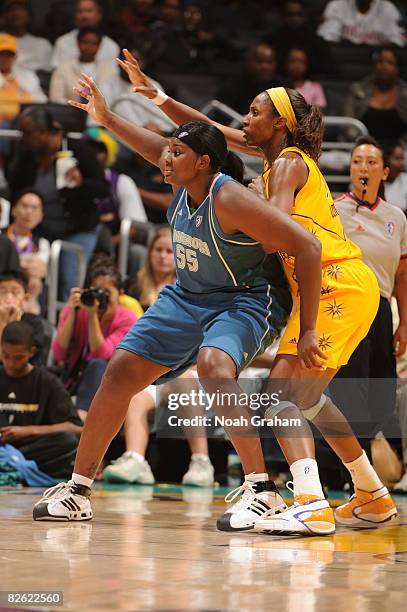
(91, 325)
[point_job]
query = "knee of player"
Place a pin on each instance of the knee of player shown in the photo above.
(213, 363)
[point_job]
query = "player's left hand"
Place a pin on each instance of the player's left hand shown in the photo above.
(308, 351)
(257, 185)
(400, 341)
(140, 81)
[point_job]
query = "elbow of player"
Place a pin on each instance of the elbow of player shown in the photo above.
(313, 248)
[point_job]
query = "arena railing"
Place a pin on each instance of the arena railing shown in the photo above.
(53, 304)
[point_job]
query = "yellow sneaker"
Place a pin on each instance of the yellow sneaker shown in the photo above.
(366, 509)
(309, 515)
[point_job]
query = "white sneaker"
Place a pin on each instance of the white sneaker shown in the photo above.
(200, 473)
(67, 501)
(401, 486)
(129, 469)
(258, 499)
(308, 515)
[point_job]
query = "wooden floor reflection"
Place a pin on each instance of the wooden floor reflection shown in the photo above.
(162, 552)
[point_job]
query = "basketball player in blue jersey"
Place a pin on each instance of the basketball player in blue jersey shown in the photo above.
(221, 312)
(287, 131)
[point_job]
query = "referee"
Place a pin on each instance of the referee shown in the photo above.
(380, 231)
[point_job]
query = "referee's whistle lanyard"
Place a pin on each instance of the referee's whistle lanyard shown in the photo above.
(361, 202)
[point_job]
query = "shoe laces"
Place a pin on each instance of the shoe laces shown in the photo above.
(247, 488)
(58, 491)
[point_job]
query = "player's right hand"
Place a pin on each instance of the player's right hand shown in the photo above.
(309, 353)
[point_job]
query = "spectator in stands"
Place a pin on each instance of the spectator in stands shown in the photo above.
(27, 213)
(380, 230)
(122, 99)
(138, 16)
(157, 272)
(37, 415)
(169, 49)
(296, 30)
(70, 213)
(9, 260)
(33, 52)
(123, 201)
(362, 22)
(65, 77)
(260, 73)
(380, 99)
(17, 85)
(13, 298)
(396, 184)
(87, 13)
(90, 327)
(103, 261)
(297, 69)
(206, 45)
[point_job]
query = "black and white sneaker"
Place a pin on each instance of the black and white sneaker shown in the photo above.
(259, 499)
(66, 501)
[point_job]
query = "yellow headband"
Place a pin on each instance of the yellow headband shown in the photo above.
(282, 102)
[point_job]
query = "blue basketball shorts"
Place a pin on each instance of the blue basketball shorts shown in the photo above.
(180, 323)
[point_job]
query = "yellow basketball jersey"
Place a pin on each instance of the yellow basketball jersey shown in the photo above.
(314, 208)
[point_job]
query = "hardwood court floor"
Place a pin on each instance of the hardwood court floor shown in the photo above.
(158, 549)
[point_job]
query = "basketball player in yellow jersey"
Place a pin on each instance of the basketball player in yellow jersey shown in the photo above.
(288, 133)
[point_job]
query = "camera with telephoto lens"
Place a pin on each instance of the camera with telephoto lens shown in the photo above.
(91, 294)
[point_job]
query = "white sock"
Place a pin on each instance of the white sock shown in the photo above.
(306, 478)
(82, 480)
(363, 475)
(135, 455)
(200, 456)
(256, 477)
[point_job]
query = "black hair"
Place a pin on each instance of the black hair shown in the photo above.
(97, 2)
(22, 3)
(18, 332)
(89, 30)
(309, 131)
(233, 166)
(97, 145)
(18, 276)
(390, 145)
(20, 194)
(387, 47)
(369, 140)
(42, 119)
(103, 265)
(204, 139)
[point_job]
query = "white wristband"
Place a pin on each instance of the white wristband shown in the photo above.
(160, 98)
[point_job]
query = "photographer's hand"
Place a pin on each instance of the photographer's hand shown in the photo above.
(95, 334)
(65, 332)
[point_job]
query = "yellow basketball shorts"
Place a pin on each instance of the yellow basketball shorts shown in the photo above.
(349, 303)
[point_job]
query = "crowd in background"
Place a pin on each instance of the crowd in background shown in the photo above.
(346, 56)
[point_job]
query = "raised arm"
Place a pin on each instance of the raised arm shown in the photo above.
(239, 209)
(178, 112)
(145, 142)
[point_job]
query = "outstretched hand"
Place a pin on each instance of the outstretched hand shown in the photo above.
(96, 105)
(140, 82)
